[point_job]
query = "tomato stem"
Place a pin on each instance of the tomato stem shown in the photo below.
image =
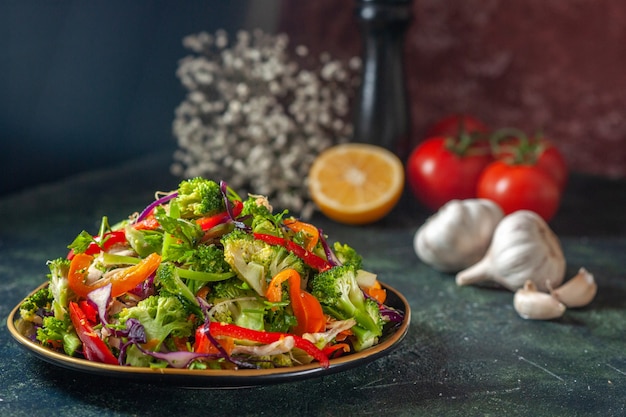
(463, 144)
(523, 149)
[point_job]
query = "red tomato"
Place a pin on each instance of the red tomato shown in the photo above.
(438, 173)
(552, 161)
(454, 124)
(520, 186)
(516, 147)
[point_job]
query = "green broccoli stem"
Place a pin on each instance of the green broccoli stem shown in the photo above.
(168, 241)
(347, 310)
(365, 338)
(71, 343)
(113, 259)
(366, 321)
(203, 276)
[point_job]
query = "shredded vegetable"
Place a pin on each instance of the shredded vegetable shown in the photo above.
(202, 279)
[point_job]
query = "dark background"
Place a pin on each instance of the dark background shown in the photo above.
(90, 84)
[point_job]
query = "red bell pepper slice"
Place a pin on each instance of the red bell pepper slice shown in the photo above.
(94, 348)
(237, 207)
(121, 282)
(241, 333)
(110, 239)
(209, 222)
(336, 350)
(203, 344)
(90, 312)
(309, 258)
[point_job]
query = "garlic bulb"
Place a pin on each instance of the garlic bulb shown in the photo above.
(578, 291)
(534, 305)
(523, 248)
(458, 235)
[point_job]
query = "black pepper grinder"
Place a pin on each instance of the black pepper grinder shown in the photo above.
(381, 112)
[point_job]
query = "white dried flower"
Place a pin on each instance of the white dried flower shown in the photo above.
(256, 116)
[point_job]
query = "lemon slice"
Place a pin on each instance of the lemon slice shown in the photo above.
(356, 183)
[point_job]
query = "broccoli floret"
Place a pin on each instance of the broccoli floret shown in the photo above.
(278, 318)
(256, 261)
(161, 316)
(228, 290)
(241, 251)
(341, 297)
(347, 255)
(206, 258)
(55, 332)
(257, 213)
(59, 286)
(170, 282)
(245, 309)
(282, 259)
(199, 197)
(32, 307)
(204, 264)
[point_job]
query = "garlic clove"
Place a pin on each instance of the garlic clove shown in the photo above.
(481, 271)
(578, 291)
(532, 304)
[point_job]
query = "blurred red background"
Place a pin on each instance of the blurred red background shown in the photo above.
(552, 65)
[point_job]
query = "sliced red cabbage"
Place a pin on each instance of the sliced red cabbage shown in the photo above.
(154, 204)
(391, 314)
(229, 209)
(388, 313)
(135, 334)
(330, 255)
(178, 359)
(144, 289)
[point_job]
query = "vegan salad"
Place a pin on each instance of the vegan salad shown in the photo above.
(203, 279)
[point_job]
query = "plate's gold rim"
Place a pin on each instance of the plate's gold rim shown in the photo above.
(61, 359)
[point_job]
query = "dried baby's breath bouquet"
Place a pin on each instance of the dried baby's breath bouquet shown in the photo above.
(257, 113)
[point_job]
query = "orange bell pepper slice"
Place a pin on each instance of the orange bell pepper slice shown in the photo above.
(311, 231)
(122, 281)
(148, 223)
(377, 292)
(306, 307)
